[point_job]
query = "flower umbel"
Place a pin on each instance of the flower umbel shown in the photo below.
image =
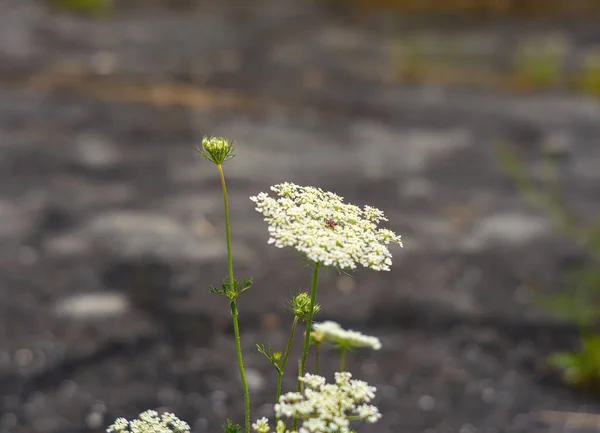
(150, 422)
(325, 408)
(216, 149)
(333, 332)
(319, 224)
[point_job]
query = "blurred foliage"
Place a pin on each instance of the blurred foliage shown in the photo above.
(589, 81)
(94, 7)
(580, 303)
(581, 368)
(539, 62)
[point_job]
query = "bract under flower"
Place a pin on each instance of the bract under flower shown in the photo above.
(324, 228)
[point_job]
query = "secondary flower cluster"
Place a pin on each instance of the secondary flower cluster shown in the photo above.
(319, 224)
(333, 332)
(150, 422)
(324, 407)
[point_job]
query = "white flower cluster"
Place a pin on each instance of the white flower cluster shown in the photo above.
(333, 332)
(150, 422)
(327, 408)
(329, 231)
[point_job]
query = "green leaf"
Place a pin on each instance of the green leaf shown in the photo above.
(246, 284)
(230, 427)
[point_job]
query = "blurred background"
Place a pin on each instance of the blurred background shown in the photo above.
(473, 124)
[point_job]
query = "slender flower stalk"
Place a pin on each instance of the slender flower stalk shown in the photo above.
(343, 350)
(316, 338)
(232, 304)
(309, 319)
(284, 360)
(218, 150)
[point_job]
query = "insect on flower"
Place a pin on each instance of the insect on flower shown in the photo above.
(330, 223)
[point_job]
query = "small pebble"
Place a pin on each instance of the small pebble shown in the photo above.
(94, 420)
(345, 284)
(256, 381)
(388, 392)
(9, 421)
(218, 396)
(426, 403)
(201, 424)
(67, 389)
(219, 409)
(103, 62)
(488, 395)
(467, 428)
(23, 357)
(369, 368)
(26, 255)
(266, 410)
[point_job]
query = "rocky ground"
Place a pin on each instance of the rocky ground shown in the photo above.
(112, 227)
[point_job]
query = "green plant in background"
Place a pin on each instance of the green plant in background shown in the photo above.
(95, 7)
(581, 368)
(589, 80)
(580, 303)
(408, 59)
(328, 233)
(539, 62)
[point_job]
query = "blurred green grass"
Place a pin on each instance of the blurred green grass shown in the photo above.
(93, 7)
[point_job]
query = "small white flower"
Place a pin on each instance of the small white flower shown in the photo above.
(150, 422)
(333, 332)
(325, 408)
(261, 425)
(324, 228)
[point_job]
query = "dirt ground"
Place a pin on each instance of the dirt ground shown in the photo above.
(112, 231)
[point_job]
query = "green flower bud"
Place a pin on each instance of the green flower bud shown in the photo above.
(300, 306)
(216, 149)
(276, 357)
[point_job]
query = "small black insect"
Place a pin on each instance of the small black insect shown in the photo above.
(330, 223)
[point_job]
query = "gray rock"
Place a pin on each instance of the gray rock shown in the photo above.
(426, 403)
(256, 381)
(135, 234)
(96, 152)
(93, 305)
(510, 228)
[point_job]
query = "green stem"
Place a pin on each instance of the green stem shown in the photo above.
(284, 360)
(234, 313)
(313, 296)
(342, 359)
